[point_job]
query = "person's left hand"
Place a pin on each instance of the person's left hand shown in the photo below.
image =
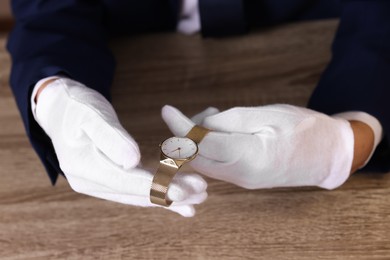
(270, 146)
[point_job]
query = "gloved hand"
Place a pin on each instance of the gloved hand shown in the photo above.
(270, 146)
(97, 155)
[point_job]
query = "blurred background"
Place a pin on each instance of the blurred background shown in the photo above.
(5, 15)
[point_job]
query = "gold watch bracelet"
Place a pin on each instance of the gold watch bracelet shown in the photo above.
(168, 169)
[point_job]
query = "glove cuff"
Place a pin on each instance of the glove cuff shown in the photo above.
(34, 94)
(370, 121)
(342, 157)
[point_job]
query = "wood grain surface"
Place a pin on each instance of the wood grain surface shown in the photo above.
(38, 221)
(6, 21)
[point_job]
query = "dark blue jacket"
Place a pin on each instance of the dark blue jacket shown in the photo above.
(71, 36)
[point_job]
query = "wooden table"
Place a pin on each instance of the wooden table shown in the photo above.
(38, 221)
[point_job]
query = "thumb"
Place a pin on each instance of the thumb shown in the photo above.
(177, 122)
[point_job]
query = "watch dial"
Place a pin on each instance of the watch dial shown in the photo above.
(179, 148)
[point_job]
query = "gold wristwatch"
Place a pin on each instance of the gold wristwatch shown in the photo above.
(175, 151)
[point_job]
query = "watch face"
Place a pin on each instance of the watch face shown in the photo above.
(179, 148)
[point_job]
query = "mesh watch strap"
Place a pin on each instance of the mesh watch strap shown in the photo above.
(197, 133)
(167, 170)
(161, 180)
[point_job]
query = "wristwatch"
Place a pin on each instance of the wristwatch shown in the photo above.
(175, 151)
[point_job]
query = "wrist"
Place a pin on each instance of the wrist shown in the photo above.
(364, 141)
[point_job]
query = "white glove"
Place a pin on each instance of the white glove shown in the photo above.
(189, 20)
(97, 155)
(271, 146)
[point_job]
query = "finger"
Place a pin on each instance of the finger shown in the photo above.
(184, 210)
(88, 188)
(188, 189)
(187, 211)
(215, 145)
(206, 166)
(190, 181)
(193, 200)
(97, 190)
(113, 141)
(177, 122)
(263, 121)
(85, 186)
(138, 181)
(198, 118)
(121, 198)
(215, 170)
(222, 147)
(96, 168)
(94, 189)
(233, 120)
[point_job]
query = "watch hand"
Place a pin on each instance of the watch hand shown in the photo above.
(174, 150)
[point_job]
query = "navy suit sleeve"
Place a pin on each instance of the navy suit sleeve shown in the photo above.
(358, 76)
(57, 37)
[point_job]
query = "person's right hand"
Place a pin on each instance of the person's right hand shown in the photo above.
(97, 155)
